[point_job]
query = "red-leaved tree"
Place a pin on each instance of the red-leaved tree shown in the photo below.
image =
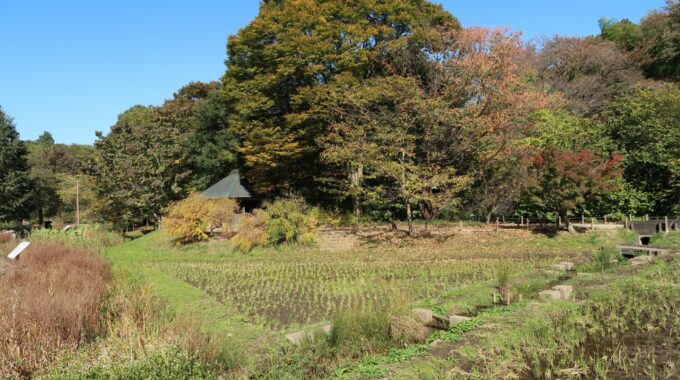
(560, 181)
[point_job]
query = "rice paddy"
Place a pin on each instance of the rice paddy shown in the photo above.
(288, 288)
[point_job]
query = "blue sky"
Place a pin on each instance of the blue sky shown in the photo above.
(71, 66)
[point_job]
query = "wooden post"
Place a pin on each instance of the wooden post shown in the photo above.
(521, 220)
(559, 220)
(497, 224)
(528, 220)
(583, 219)
(647, 217)
(592, 224)
(605, 219)
(665, 223)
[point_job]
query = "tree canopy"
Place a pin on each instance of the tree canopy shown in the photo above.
(392, 110)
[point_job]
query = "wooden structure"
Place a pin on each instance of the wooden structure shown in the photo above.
(636, 250)
(231, 187)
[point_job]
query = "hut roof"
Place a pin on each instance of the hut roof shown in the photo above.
(229, 187)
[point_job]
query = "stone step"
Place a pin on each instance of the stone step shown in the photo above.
(559, 292)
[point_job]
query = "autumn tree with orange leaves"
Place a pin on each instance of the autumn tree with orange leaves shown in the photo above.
(560, 181)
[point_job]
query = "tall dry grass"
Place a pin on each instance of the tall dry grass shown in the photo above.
(51, 302)
(5, 237)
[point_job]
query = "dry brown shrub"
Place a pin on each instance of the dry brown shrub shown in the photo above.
(51, 302)
(406, 330)
(5, 237)
(252, 231)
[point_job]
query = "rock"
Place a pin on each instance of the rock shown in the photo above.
(456, 319)
(559, 267)
(641, 260)
(552, 273)
(423, 315)
(567, 265)
(566, 291)
(299, 336)
(550, 294)
(436, 342)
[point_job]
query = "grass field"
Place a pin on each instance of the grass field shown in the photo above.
(251, 300)
(207, 311)
(289, 287)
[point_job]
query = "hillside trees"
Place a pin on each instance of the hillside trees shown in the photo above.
(198, 111)
(482, 78)
(655, 42)
(589, 72)
(278, 62)
(661, 42)
(156, 155)
(645, 126)
(14, 181)
(141, 167)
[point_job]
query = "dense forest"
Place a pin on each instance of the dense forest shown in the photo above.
(388, 110)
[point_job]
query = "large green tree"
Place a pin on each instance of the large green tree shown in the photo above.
(199, 111)
(293, 47)
(43, 158)
(645, 126)
(140, 167)
(15, 192)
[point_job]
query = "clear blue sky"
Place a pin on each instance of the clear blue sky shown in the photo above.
(71, 66)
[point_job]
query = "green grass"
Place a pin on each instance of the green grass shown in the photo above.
(219, 320)
(625, 325)
(237, 296)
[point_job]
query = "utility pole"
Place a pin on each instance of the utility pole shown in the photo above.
(78, 200)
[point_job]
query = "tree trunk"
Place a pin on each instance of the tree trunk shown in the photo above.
(409, 218)
(567, 223)
(356, 177)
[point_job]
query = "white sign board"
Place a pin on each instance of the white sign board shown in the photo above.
(17, 251)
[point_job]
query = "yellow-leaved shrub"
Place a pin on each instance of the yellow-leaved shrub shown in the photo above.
(194, 218)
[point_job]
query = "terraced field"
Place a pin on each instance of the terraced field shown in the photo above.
(288, 288)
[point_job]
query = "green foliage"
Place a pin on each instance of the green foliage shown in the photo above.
(625, 33)
(661, 45)
(283, 221)
(14, 173)
(318, 44)
(92, 237)
(140, 167)
(670, 240)
(645, 127)
(173, 364)
(606, 257)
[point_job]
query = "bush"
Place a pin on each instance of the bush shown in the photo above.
(90, 237)
(605, 257)
(51, 303)
(5, 237)
(286, 220)
(193, 219)
(252, 232)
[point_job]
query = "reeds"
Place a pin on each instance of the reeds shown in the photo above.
(51, 302)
